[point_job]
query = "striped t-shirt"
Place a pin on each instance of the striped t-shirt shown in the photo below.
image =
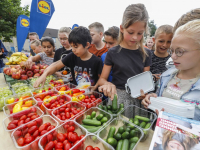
(45, 59)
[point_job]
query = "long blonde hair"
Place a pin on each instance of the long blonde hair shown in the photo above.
(134, 13)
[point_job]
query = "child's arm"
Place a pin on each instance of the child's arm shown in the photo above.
(49, 71)
(31, 59)
(147, 68)
(106, 87)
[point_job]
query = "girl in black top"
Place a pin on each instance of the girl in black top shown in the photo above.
(60, 53)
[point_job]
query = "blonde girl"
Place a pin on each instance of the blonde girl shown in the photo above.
(36, 46)
(149, 43)
(129, 58)
(183, 81)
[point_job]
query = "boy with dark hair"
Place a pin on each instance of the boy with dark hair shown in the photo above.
(85, 67)
(98, 47)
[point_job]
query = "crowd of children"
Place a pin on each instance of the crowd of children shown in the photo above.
(108, 63)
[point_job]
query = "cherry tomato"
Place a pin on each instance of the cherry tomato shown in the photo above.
(14, 122)
(34, 123)
(20, 141)
(27, 120)
(67, 146)
(63, 118)
(71, 129)
(28, 140)
(73, 138)
(62, 109)
(49, 137)
(33, 109)
(62, 114)
(65, 142)
(66, 126)
(86, 97)
(49, 146)
(89, 106)
(59, 145)
(34, 117)
(34, 145)
(68, 116)
(48, 105)
(27, 135)
(20, 122)
(32, 129)
(31, 114)
(60, 137)
(23, 117)
(35, 134)
(42, 127)
(43, 141)
(11, 126)
(17, 133)
(89, 147)
(68, 105)
(25, 131)
(43, 132)
(96, 148)
(81, 136)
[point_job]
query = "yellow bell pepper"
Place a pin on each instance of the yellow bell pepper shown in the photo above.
(20, 99)
(29, 101)
(24, 108)
(20, 103)
(40, 91)
(48, 100)
(68, 92)
(52, 85)
(11, 100)
(75, 99)
(17, 108)
(61, 92)
(81, 97)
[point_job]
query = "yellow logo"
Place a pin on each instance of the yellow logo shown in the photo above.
(25, 22)
(44, 7)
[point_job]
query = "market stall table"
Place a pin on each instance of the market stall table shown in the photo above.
(7, 143)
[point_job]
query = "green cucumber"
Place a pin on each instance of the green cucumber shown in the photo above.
(121, 105)
(105, 108)
(131, 120)
(119, 145)
(143, 124)
(99, 117)
(136, 121)
(94, 129)
(111, 132)
(94, 119)
(117, 136)
(120, 109)
(133, 140)
(121, 130)
(142, 118)
(147, 126)
(101, 107)
(104, 119)
(114, 103)
(93, 115)
(109, 111)
(131, 126)
(125, 144)
(88, 117)
(132, 145)
(125, 135)
(109, 107)
(112, 141)
(128, 129)
(133, 133)
(91, 122)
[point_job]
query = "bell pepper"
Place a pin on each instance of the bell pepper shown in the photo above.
(28, 104)
(48, 100)
(23, 97)
(46, 97)
(62, 88)
(20, 102)
(68, 92)
(81, 97)
(24, 108)
(17, 108)
(52, 85)
(62, 92)
(73, 91)
(76, 94)
(11, 100)
(75, 99)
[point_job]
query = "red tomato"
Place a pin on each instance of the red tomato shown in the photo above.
(27, 135)
(86, 97)
(48, 124)
(58, 116)
(42, 127)
(60, 137)
(20, 122)
(67, 109)
(89, 147)
(34, 145)
(14, 122)
(23, 117)
(63, 118)
(92, 96)
(65, 134)
(11, 126)
(89, 106)
(33, 109)
(59, 145)
(81, 136)
(68, 116)
(35, 134)
(75, 112)
(62, 114)
(53, 105)
(17, 133)
(67, 146)
(20, 141)
(28, 140)
(96, 148)
(43, 141)
(52, 101)
(62, 109)
(73, 138)
(24, 131)
(34, 117)
(65, 142)
(68, 105)
(31, 114)
(49, 146)
(69, 134)
(39, 121)
(49, 137)
(66, 126)
(34, 123)
(32, 129)
(43, 132)
(47, 105)
(27, 120)
(71, 129)
(55, 141)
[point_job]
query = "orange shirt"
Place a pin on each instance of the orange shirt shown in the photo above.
(96, 52)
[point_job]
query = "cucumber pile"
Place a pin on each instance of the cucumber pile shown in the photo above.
(124, 139)
(93, 123)
(112, 109)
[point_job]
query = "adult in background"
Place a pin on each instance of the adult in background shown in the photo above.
(32, 36)
(3, 53)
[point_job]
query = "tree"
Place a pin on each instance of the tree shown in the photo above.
(9, 12)
(152, 27)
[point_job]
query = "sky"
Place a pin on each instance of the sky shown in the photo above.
(110, 12)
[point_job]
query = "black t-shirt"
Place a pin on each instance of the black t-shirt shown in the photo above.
(126, 63)
(32, 53)
(83, 71)
(61, 53)
(158, 64)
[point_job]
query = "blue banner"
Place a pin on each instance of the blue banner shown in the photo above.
(75, 26)
(40, 15)
(23, 24)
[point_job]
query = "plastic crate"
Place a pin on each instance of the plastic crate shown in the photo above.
(118, 122)
(98, 111)
(30, 88)
(63, 129)
(132, 110)
(34, 144)
(107, 102)
(39, 90)
(73, 104)
(17, 116)
(9, 107)
(94, 141)
(11, 84)
(48, 111)
(70, 85)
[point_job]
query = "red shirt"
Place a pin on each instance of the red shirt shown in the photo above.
(96, 52)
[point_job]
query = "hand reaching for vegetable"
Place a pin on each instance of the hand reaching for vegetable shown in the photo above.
(40, 80)
(109, 90)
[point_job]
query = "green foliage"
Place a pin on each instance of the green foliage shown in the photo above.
(9, 12)
(152, 27)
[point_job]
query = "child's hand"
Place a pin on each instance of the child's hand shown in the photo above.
(142, 95)
(146, 100)
(40, 80)
(28, 64)
(59, 74)
(157, 112)
(109, 90)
